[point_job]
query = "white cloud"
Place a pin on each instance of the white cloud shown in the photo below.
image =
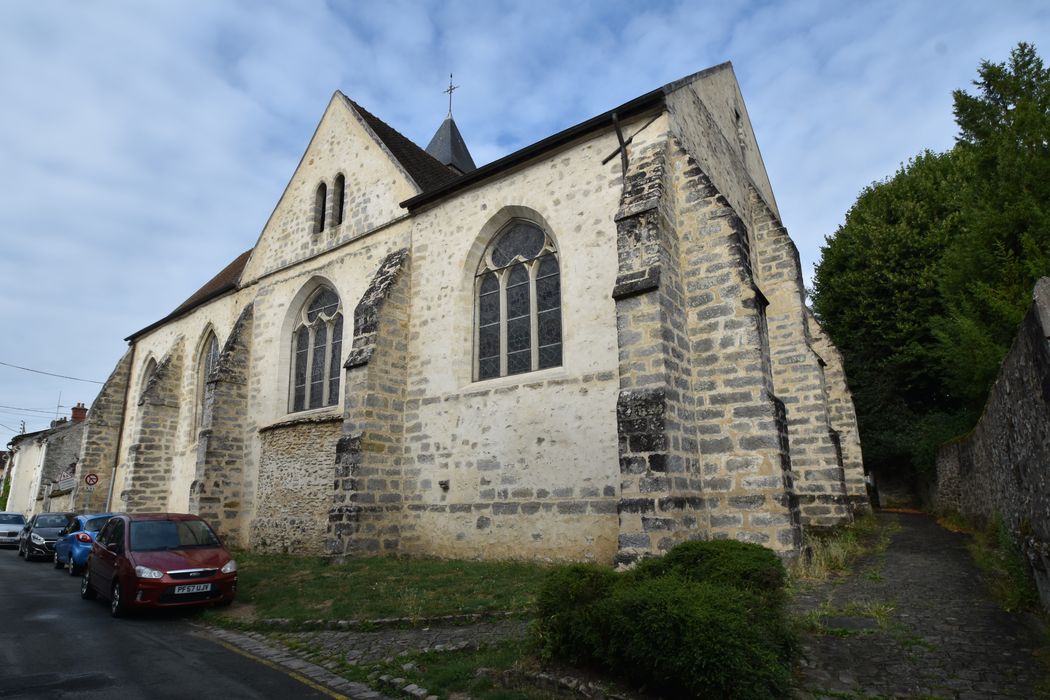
(146, 143)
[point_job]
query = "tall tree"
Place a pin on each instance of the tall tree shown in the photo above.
(876, 289)
(923, 286)
(988, 272)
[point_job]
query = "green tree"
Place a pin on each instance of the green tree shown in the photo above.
(989, 270)
(876, 289)
(923, 286)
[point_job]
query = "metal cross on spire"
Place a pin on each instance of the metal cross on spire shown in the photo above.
(451, 88)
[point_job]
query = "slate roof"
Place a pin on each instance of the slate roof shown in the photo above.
(427, 171)
(448, 147)
(218, 285)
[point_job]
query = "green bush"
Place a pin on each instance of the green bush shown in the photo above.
(705, 620)
(567, 606)
(742, 565)
(684, 639)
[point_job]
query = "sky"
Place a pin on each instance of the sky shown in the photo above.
(143, 144)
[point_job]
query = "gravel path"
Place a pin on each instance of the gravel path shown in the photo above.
(916, 622)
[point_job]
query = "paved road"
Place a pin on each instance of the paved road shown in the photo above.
(916, 622)
(55, 645)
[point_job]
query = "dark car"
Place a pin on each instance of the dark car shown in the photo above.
(158, 560)
(10, 525)
(37, 539)
(74, 542)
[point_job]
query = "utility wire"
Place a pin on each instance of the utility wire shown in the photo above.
(51, 374)
(32, 410)
(8, 427)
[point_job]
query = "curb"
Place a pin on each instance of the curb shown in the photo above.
(292, 664)
(281, 623)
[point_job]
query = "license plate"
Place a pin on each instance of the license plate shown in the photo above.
(193, 588)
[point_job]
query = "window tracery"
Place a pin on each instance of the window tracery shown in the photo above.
(518, 303)
(316, 352)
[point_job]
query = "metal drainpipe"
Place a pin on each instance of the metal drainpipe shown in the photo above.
(120, 435)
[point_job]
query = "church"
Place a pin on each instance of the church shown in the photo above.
(593, 348)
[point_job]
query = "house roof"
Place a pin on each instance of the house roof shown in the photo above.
(448, 147)
(422, 167)
(644, 104)
(436, 179)
(225, 281)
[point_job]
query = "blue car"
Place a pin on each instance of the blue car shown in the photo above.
(74, 542)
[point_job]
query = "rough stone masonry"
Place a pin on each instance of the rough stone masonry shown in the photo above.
(693, 396)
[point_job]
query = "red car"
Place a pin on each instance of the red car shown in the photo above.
(158, 560)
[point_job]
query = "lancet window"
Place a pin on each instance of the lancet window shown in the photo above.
(518, 303)
(316, 352)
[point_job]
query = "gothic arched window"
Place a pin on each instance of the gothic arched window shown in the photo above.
(206, 364)
(518, 310)
(338, 197)
(316, 349)
(320, 204)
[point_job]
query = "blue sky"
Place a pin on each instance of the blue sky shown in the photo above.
(144, 144)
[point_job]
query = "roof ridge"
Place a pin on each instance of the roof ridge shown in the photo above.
(427, 171)
(226, 280)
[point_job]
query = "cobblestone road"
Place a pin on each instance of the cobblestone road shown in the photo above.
(915, 622)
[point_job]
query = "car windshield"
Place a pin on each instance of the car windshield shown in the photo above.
(154, 535)
(56, 520)
(11, 519)
(95, 524)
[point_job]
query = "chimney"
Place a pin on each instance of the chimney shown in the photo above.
(79, 413)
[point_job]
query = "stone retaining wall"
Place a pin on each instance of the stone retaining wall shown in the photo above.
(1003, 467)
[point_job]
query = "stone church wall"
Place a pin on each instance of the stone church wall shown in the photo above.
(691, 402)
(99, 449)
(530, 461)
(798, 376)
(748, 482)
(374, 188)
(295, 485)
(843, 417)
(1002, 468)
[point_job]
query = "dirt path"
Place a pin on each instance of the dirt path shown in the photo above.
(916, 622)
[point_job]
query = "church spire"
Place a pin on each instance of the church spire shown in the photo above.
(447, 145)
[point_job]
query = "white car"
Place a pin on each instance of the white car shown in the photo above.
(10, 525)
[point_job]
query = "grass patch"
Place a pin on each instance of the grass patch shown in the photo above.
(1000, 559)
(310, 588)
(833, 553)
(444, 673)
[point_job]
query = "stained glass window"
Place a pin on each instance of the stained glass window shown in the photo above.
(518, 303)
(317, 343)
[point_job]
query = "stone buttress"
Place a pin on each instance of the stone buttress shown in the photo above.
(150, 456)
(843, 417)
(372, 489)
(660, 492)
(98, 452)
(218, 486)
(747, 478)
(798, 376)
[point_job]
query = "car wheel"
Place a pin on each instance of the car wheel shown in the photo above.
(58, 562)
(86, 591)
(72, 567)
(116, 601)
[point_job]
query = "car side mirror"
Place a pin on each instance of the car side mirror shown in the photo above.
(117, 548)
